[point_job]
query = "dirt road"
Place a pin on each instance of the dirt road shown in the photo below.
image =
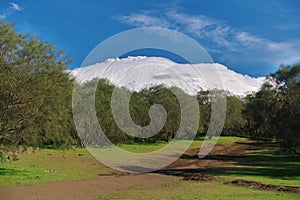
(83, 189)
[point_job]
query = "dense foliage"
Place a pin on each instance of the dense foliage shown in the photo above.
(35, 91)
(275, 110)
(36, 102)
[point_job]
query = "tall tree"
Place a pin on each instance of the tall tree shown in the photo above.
(235, 120)
(287, 103)
(275, 110)
(35, 96)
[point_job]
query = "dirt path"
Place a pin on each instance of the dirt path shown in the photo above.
(222, 155)
(188, 167)
(83, 189)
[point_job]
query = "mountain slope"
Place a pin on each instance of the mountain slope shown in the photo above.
(136, 73)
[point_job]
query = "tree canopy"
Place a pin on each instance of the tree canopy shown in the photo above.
(35, 91)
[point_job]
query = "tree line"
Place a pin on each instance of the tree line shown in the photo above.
(36, 101)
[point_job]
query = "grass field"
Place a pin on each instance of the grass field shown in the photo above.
(142, 148)
(198, 190)
(265, 166)
(30, 169)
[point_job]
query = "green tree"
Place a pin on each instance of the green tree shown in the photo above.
(285, 120)
(274, 111)
(235, 120)
(164, 97)
(35, 96)
(259, 110)
(205, 111)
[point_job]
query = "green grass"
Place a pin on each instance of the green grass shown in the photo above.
(265, 166)
(143, 148)
(262, 166)
(221, 140)
(198, 190)
(30, 169)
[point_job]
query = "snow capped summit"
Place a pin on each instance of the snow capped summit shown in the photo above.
(137, 73)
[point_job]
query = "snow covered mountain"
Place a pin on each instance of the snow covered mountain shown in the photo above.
(136, 73)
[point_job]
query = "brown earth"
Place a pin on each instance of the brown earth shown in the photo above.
(189, 167)
(261, 186)
(83, 189)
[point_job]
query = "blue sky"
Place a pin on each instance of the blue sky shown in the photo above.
(251, 37)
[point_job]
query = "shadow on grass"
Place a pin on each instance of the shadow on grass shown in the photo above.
(9, 172)
(282, 167)
(267, 162)
(261, 160)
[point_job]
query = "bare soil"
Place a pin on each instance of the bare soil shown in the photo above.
(84, 189)
(261, 186)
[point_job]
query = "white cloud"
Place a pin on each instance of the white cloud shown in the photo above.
(202, 27)
(144, 20)
(192, 23)
(13, 7)
(247, 39)
(222, 36)
(199, 26)
(270, 51)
